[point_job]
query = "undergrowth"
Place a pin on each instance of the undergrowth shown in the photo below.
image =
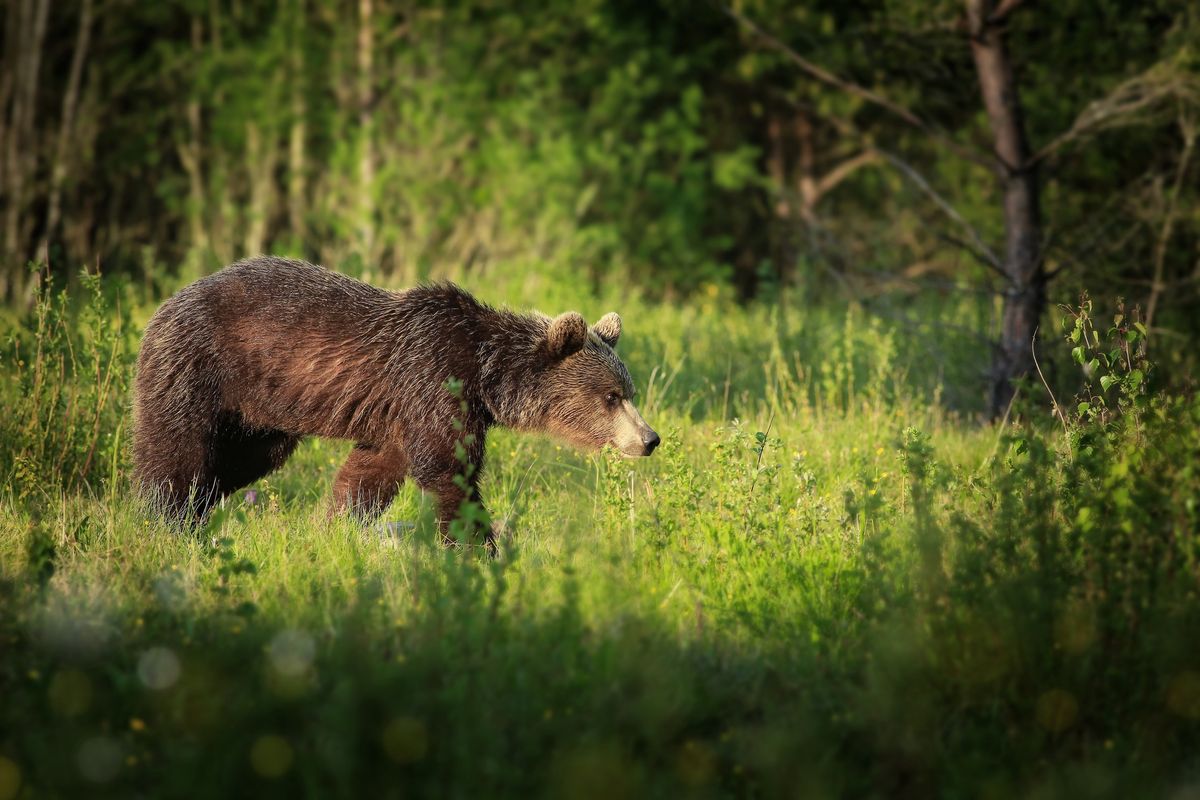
(822, 584)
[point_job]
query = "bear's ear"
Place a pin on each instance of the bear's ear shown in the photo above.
(567, 334)
(608, 328)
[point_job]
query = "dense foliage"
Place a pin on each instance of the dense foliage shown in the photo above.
(665, 141)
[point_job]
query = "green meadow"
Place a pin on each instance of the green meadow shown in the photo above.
(833, 579)
(925, 519)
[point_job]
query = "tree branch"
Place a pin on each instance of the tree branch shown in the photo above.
(1187, 128)
(977, 248)
(975, 244)
(829, 181)
(827, 77)
(1145, 91)
(1003, 10)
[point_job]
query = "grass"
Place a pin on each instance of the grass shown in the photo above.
(824, 583)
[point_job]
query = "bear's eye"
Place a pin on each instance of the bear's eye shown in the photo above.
(611, 400)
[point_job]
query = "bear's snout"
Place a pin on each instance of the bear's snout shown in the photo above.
(630, 434)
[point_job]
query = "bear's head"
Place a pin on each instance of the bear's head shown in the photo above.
(586, 394)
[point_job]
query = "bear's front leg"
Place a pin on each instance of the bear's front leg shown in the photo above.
(451, 494)
(369, 480)
(452, 474)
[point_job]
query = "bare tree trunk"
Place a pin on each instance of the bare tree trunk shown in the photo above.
(800, 188)
(220, 204)
(783, 234)
(777, 165)
(366, 157)
(261, 158)
(21, 155)
(296, 181)
(1025, 295)
(78, 228)
(66, 128)
(806, 169)
(1187, 127)
(8, 72)
(190, 157)
(9, 65)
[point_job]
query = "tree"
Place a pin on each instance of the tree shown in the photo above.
(1025, 294)
(985, 24)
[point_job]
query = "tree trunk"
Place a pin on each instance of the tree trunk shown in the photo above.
(66, 129)
(190, 156)
(1025, 295)
(1187, 128)
(261, 157)
(220, 205)
(366, 155)
(298, 134)
(806, 170)
(22, 151)
(8, 72)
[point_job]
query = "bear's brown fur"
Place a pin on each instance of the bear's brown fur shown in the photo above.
(238, 366)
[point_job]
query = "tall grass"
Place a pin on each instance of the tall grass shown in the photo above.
(822, 584)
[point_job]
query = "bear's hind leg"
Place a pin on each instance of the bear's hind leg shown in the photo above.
(368, 481)
(174, 473)
(242, 455)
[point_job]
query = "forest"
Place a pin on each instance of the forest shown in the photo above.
(910, 290)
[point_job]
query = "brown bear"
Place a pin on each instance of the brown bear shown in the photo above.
(237, 367)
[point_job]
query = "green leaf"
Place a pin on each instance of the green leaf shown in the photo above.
(1075, 334)
(1135, 379)
(1107, 381)
(1084, 407)
(1077, 354)
(1141, 328)
(1094, 364)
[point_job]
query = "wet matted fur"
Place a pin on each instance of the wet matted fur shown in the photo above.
(236, 368)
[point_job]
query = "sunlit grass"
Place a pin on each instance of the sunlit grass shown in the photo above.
(825, 581)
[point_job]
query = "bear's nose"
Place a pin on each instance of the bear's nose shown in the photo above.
(650, 441)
